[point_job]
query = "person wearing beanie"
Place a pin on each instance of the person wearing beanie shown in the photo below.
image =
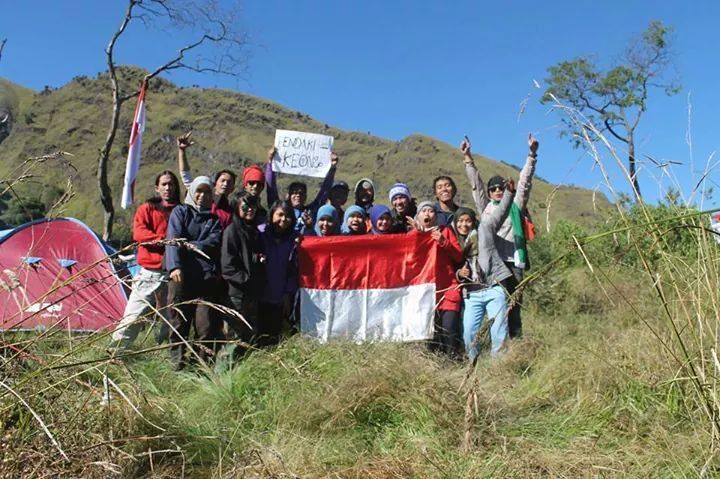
(510, 241)
(297, 194)
(338, 196)
(403, 207)
(381, 220)
(253, 179)
(328, 221)
(364, 193)
(223, 182)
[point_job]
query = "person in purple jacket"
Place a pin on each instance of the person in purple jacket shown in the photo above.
(303, 213)
(279, 241)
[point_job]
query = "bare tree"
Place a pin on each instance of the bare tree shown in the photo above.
(2, 46)
(216, 49)
(615, 100)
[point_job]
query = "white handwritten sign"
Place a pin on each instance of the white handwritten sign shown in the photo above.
(301, 153)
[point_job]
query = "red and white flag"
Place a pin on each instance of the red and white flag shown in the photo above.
(369, 287)
(133, 159)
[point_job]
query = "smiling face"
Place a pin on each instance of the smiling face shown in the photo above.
(401, 203)
(427, 216)
(246, 211)
(224, 185)
(355, 222)
(281, 220)
(464, 225)
(203, 196)
(165, 188)
(326, 225)
(384, 223)
(366, 193)
(297, 196)
(444, 190)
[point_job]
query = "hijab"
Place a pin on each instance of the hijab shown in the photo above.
(190, 197)
(376, 212)
(353, 210)
(325, 211)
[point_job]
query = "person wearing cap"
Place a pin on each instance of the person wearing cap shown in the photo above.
(364, 193)
(243, 267)
(253, 179)
(223, 182)
(338, 196)
(403, 208)
(510, 240)
(297, 193)
(194, 276)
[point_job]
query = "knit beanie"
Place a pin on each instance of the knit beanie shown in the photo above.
(399, 189)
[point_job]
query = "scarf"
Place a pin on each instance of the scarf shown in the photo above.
(520, 257)
(190, 197)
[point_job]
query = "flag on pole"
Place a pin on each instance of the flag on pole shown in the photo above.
(369, 288)
(133, 159)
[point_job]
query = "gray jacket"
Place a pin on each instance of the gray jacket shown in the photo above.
(488, 266)
(505, 241)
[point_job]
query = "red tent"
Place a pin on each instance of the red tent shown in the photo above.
(54, 273)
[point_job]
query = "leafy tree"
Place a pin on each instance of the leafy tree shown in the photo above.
(615, 100)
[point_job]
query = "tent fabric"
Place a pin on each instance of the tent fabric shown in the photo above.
(369, 287)
(49, 294)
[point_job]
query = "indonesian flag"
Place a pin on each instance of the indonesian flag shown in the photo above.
(133, 159)
(368, 287)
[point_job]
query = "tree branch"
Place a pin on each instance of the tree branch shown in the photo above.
(2, 46)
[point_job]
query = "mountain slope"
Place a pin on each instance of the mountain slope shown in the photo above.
(231, 130)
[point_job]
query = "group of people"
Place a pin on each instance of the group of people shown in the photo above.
(211, 250)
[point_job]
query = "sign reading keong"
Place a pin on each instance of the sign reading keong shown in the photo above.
(300, 153)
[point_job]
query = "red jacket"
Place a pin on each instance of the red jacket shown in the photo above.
(150, 224)
(452, 259)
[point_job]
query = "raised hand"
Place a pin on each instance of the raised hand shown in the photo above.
(510, 185)
(465, 146)
(334, 159)
(307, 219)
(184, 141)
(271, 152)
(533, 144)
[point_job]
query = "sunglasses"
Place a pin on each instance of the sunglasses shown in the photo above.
(493, 189)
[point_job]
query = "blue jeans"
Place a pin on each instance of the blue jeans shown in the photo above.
(492, 301)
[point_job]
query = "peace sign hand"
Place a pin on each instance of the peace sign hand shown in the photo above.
(184, 141)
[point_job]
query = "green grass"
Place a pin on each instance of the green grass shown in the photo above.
(581, 395)
(232, 130)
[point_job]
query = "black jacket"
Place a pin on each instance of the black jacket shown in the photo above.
(241, 259)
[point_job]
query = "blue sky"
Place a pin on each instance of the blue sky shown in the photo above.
(444, 69)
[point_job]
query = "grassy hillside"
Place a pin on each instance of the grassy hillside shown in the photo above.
(231, 130)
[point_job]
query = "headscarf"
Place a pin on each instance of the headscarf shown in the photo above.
(358, 187)
(425, 204)
(376, 212)
(190, 197)
(353, 210)
(327, 210)
(253, 173)
(468, 242)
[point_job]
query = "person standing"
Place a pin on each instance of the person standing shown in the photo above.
(223, 182)
(510, 240)
(403, 207)
(445, 191)
(243, 268)
(149, 286)
(297, 194)
(194, 273)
